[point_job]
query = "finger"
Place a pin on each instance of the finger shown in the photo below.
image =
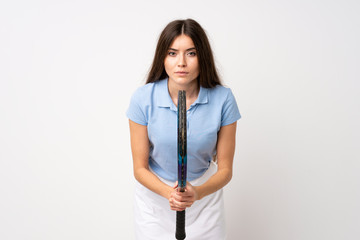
(178, 209)
(186, 194)
(178, 204)
(189, 188)
(183, 198)
(183, 204)
(177, 197)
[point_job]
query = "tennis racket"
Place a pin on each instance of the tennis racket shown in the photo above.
(182, 162)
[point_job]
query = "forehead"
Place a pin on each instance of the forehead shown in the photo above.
(182, 42)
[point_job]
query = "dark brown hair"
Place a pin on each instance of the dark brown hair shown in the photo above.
(208, 76)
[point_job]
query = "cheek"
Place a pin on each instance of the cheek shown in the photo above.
(168, 63)
(196, 66)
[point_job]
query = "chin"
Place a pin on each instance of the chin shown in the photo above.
(182, 81)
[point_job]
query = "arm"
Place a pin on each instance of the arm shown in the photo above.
(225, 154)
(140, 152)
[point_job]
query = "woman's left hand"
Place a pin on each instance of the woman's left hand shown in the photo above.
(181, 200)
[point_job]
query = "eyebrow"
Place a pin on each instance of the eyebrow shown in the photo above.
(189, 49)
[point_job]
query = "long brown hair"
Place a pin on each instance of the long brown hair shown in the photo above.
(208, 76)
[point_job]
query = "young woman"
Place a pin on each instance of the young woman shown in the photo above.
(183, 61)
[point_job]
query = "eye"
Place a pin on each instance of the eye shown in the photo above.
(171, 53)
(192, 54)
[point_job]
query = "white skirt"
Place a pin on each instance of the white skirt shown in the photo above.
(155, 220)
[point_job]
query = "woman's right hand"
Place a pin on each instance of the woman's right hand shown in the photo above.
(179, 201)
(174, 204)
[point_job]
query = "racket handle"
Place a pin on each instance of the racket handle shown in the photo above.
(180, 225)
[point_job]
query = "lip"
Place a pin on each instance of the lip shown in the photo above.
(181, 73)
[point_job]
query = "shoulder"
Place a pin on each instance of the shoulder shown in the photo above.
(143, 91)
(222, 99)
(141, 103)
(146, 91)
(220, 93)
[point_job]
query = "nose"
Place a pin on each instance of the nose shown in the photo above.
(182, 60)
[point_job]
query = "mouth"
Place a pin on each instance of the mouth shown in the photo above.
(181, 73)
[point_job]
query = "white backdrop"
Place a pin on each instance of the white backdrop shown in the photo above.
(68, 69)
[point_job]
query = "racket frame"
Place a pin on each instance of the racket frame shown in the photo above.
(182, 161)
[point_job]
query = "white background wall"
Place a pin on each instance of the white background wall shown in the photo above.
(68, 69)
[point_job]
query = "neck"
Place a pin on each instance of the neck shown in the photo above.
(192, 91)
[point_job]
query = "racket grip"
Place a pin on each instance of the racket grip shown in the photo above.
(180, 225)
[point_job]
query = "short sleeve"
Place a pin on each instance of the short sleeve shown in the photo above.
(230, 112)
(137, 111)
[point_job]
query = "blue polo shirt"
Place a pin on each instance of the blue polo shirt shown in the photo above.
(152, 106)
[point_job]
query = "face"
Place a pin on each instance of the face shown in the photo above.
(181, 63)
